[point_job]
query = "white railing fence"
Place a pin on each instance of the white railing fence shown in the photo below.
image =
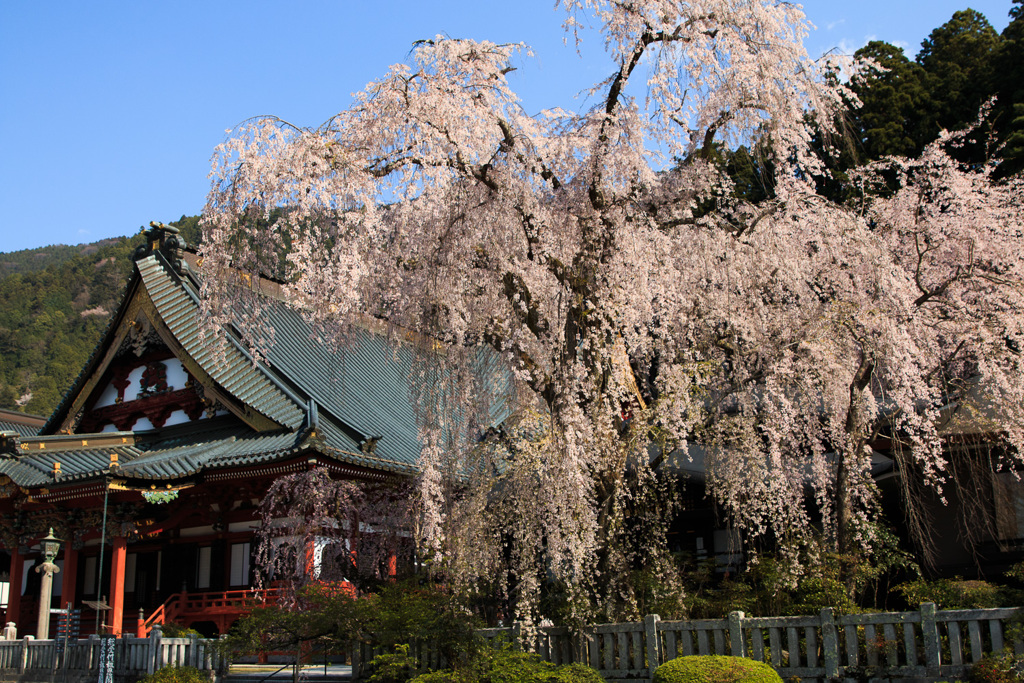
(131, 655)
(924, 644)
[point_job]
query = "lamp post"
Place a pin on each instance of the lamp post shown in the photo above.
(50, 546)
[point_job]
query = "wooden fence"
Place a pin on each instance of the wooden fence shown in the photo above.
(927, 644)
(131, 655)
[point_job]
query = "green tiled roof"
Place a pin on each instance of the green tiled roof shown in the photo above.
(327, 401)
(179, 310)
(227, 444)
(23, 430)
(365, 387)
(20, 423)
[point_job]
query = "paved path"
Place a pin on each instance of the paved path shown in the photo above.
(252, 673)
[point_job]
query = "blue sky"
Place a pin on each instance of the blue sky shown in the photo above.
(109, 111)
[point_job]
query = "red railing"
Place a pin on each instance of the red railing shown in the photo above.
(186, 606)
(221, 607)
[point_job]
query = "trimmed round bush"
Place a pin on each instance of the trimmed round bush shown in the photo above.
(573, 673)
(715, 669)
(176, 674)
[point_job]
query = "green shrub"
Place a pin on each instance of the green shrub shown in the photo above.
(176, 674)
(816, 592)
(173, 630)
(715, 669)
(505, 664)
(573, 673)
(397, 667)
(998, 668)
(951, 593)
(406, 612)
(446, 676)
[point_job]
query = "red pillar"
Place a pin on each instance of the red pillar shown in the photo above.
(392, 566)
(69, 576)
(117, 562)
(14, 594)
(309, 559)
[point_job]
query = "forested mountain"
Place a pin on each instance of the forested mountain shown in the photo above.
(34, 260)
(55, 303)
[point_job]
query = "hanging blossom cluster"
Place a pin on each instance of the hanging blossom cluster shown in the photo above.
(640, 311)
(318, 530)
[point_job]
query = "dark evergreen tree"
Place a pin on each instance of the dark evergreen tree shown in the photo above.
(1008, 86)
(959, 58)
(895, 98)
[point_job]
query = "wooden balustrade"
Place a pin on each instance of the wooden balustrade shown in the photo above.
(182, 606)
(926, 644)
(131, 655)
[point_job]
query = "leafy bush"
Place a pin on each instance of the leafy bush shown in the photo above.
(573, 673)
(321, 615)
(397, 667)
(173, 630)
(508, 665)
(405, 612)
(816, 592)
(953, 593)
(176, 674)
(998, 668)
(715, 669)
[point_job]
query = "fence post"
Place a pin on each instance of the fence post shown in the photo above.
(94, 639)
(736, 642)
(653, 642)
(930, 629)
(356, 659)
(23, 660)
(830, 643)
(155, 648)
(517, 635)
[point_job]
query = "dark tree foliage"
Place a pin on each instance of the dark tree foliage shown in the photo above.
(958, 55)
(1008, 87)
(904, 104)
(895, 100)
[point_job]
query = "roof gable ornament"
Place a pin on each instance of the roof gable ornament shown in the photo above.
(166, 240)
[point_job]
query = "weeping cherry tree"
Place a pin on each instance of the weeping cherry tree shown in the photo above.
(644, 312)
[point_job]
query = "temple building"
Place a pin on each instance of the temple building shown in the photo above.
(152, 468)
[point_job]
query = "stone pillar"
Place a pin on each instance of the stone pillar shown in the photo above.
(14, 594)
(47, 569)
(117, 562)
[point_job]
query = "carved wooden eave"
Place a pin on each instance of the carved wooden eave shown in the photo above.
(140, 310)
